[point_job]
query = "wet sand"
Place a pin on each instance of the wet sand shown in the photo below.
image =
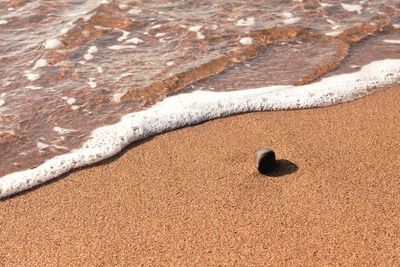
(193, 197)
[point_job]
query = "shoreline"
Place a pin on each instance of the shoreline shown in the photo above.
(193, 195)
(192, 108)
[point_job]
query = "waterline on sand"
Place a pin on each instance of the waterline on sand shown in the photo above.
(191, 108)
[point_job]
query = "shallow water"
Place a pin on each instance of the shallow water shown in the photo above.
(69, 67)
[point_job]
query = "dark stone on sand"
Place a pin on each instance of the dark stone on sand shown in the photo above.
(266, 161)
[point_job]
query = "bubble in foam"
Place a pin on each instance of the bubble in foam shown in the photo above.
(200, 35)
(287, 15)
(33, 87)
(388, 41)
(195, 28)
(334, 26)
(352, 7)
(32, 76)
(160, 34)
(157, 26)
(116, 98)
(332, 22)
(69, 100)
(170, 63)
(291, 20)
(246, 41)
(92, 83)
(64, 30)
(246, 22)
(3, 22)
(124, 36)
(123, 6)
(92, 49)
(134, 11)
(63, 131)
(40, 63)
(88, 56)
(89, 16)
(120, 47)
(333, 33)
(99, 69)
(52, 44)
(134, 41)
(41, 145)
(7, 83)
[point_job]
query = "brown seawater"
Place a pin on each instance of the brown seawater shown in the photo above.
(71, 66)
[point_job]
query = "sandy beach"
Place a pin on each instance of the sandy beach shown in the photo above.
(193, 196)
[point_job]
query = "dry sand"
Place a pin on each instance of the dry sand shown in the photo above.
(193, 197)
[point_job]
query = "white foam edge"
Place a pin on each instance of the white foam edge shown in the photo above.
(195, 107)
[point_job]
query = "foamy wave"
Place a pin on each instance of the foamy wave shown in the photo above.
(186, 109)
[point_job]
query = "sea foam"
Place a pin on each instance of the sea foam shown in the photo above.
(192, 108)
